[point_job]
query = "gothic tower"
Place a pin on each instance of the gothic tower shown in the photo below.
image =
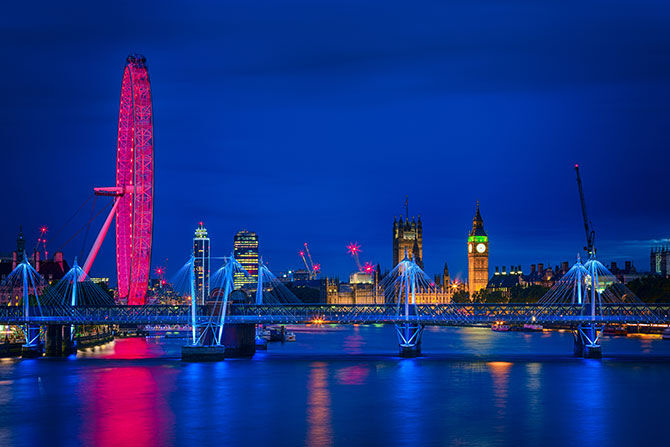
(20, 245)
(478, 255)
(445, 277)
(408, 237)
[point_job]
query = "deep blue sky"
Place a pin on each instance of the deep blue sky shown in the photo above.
(311, 121)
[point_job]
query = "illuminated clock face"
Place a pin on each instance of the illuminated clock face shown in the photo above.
(481, 248)
(469, 248)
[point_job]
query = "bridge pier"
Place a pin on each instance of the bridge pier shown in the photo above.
(587, 341)
(409, 339)
(578, 348)
(58, 341)
(239, 341)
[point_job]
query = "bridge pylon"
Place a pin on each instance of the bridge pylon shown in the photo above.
(260, 341)
(401, 287)
(591, 297)
(589, 333)
(215, 340)
(26, 282)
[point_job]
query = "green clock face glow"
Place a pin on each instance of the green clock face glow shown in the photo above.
(481, 248)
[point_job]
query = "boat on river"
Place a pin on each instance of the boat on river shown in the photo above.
(278, 333)
(500, 326)
(615, 331)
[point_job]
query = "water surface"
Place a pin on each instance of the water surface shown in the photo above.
(344, 386)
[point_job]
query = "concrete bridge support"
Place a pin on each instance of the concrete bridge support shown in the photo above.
(587, 341)
(578, 349)
(58, 341)
(239, 341)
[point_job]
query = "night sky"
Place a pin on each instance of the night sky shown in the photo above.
(309, 121)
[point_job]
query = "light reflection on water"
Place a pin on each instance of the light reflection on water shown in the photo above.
(535, 407)
(115, 396)
(343, 386)
(500, 374)
(318, 407)
(352, 375)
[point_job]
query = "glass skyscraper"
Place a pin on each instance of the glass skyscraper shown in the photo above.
(201, 263)
(245, 251)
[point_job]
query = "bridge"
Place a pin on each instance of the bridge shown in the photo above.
(466, 314)
(585, 299)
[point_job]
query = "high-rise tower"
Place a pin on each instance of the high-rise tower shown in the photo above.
(201, 263)
(407, 237)
(245, 246)
(478, 255)
(660, 261)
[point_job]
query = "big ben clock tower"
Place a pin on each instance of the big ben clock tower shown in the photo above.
(478, 256)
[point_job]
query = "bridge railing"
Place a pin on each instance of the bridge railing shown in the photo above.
(158, 314)
(428, 314)
(444, 314)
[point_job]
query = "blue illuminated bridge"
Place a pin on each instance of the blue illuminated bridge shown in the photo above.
(423, 314)
(585, 299)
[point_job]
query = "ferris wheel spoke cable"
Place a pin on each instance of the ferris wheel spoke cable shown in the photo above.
(86, 225)
(67, 222)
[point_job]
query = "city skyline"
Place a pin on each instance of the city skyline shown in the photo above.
(458, 274)
(328, 131)
(253, 222)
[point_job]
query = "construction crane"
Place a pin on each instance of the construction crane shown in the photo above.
(302, 255)
(161, 272)
(354, 249)
(42, 241)
(588, 227)
(313, 268)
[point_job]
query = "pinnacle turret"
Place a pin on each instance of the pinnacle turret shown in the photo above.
(477, 224)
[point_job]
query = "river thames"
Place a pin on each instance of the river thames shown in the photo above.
(344, 386)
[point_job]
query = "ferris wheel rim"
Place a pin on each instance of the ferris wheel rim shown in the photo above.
(135, 149)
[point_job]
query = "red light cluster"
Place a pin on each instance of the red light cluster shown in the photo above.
(353, 248)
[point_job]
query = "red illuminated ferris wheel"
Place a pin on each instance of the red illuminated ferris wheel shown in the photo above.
(134, 190)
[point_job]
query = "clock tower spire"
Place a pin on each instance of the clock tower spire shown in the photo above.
(478, 255)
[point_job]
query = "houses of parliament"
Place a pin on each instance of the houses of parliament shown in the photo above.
(408, 238)
(363, 288)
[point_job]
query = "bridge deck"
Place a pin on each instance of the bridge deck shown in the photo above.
(426, 314)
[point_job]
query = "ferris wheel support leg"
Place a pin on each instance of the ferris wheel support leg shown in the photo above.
(98, 240)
